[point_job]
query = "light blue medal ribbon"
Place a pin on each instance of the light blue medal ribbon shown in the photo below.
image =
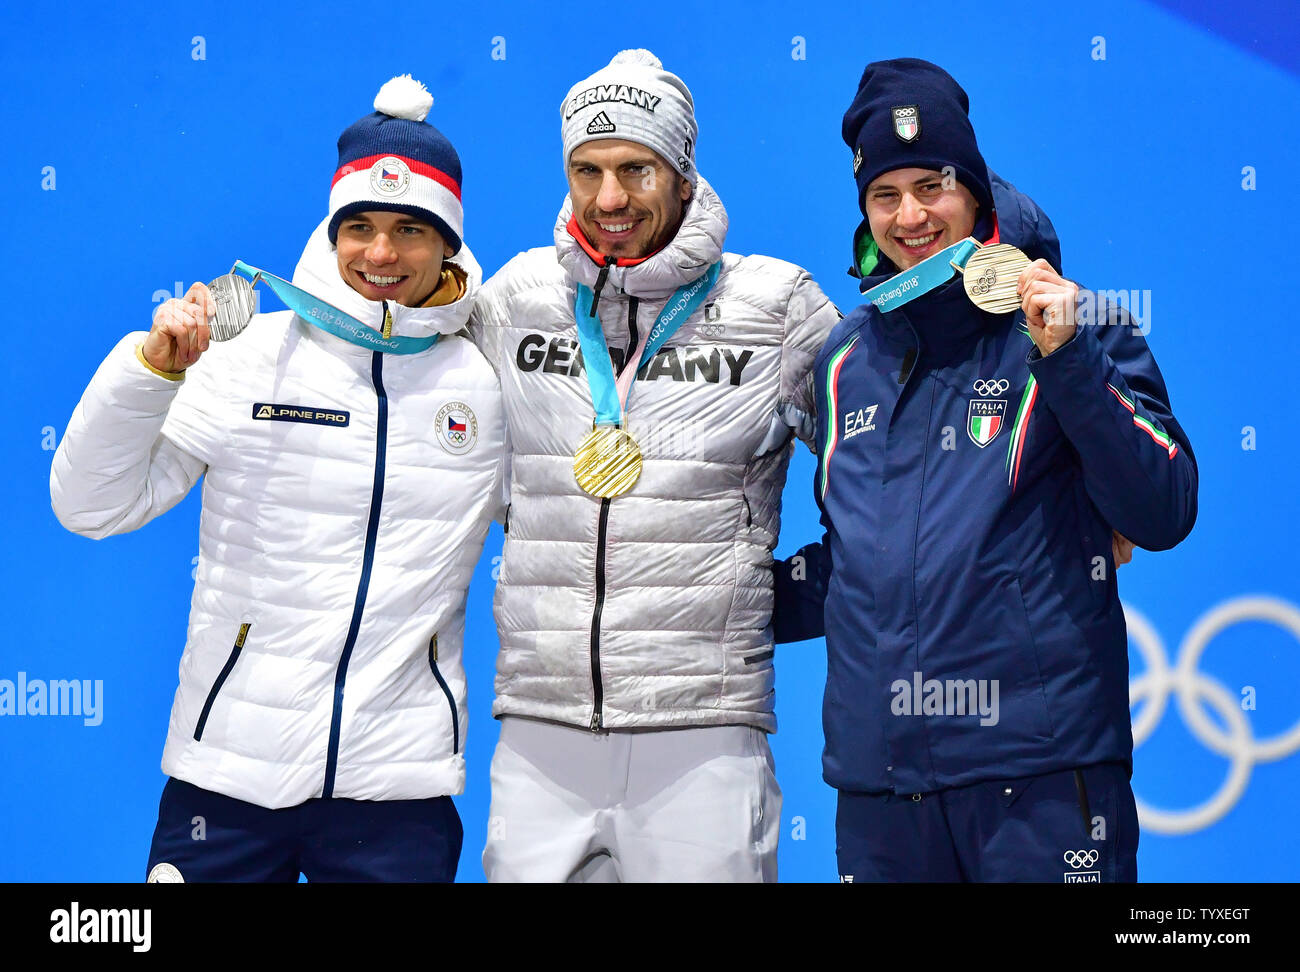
(329, 318)
(595, 352)
(931, 272)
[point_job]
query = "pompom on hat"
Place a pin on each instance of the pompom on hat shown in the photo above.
(395, 161)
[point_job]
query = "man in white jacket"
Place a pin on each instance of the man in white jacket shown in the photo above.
(652, 384)
(351, 451)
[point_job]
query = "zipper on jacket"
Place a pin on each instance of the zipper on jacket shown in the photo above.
(598, 690)
(451, 702)
(1084, 809)
(600, 284)
(367, 562)
(225, 673)
(634, 338)
(597, 687)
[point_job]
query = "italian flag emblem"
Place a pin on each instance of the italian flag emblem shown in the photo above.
(985, 419)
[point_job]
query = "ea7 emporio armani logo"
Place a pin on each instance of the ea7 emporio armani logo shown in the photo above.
(862, 420)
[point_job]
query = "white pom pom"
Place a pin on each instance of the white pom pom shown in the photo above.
(404, 97)
(637, 55)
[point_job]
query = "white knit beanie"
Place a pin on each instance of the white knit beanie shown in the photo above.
(633, 98)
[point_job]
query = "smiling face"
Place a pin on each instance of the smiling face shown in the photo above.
(390, 256)
(913, 216)
(628, 200)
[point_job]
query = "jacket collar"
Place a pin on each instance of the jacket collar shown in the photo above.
(318, 274)
(943, 320)
(696, 247)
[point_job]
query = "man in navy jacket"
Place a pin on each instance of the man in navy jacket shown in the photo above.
(971, 468)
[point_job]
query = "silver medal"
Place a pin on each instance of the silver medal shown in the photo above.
(236, 303)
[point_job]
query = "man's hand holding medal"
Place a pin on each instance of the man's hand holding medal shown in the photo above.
(1049, 302)
(180, 331)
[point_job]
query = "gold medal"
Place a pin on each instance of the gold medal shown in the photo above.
(990, 277)
(608, 462)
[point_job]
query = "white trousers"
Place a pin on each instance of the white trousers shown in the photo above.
(699, 804)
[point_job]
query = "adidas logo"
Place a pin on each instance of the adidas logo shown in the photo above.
(600, 125)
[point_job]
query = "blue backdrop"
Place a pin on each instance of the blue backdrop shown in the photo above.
(152, 146)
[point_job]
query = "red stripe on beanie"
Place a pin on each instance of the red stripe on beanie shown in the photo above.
(419, 168)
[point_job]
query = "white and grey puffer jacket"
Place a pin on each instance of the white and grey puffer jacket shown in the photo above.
(346, 497)
(650, 610)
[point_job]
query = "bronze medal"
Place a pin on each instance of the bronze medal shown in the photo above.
(607, 462)
(990, 277)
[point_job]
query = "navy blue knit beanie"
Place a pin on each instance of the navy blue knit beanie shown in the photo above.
(393, 160)
(909, 113)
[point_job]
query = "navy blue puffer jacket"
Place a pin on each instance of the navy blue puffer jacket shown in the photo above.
(968, 487)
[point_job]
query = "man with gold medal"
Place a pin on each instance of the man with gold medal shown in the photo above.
(988, 436)
(652, 385)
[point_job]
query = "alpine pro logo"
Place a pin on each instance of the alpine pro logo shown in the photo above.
(986, 416)
(267, 412)
(907, 122)
(457, 428)
(601, 125)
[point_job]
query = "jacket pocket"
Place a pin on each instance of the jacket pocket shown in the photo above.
(1095, 542)
(1037, 684)
(225, 673)
(451, 702)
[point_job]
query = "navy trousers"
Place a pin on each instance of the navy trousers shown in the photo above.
(205, 836)
(1076, 826)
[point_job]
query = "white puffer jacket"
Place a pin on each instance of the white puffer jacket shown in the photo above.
(650, 610)
(346, 499)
